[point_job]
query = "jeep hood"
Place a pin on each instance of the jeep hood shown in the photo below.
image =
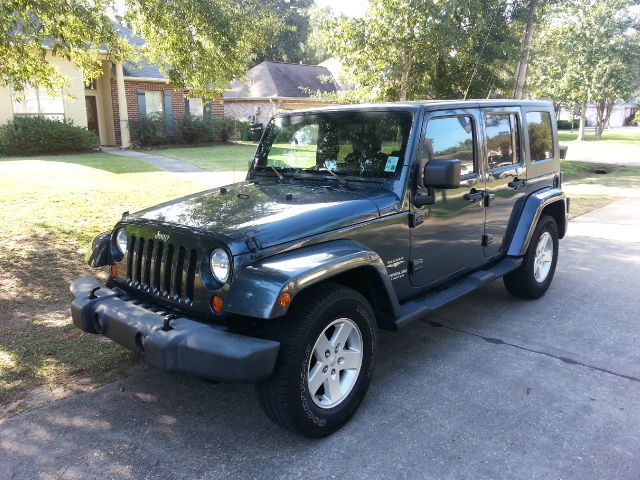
(272, 213)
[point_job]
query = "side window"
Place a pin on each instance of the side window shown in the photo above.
(540, 135)
(153, 101)
(451, 138)
(502, 139)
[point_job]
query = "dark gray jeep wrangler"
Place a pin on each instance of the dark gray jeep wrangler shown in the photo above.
(351, 219)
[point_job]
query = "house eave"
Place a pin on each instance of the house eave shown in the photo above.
(145, 79)
(274, 99)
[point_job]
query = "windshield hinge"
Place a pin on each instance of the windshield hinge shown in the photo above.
(253, 244)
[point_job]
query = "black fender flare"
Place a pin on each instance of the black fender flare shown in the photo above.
(256, 288)
(531, 212)
(100, 254)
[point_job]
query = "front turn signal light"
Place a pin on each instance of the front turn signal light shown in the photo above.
(284, 299)
(216, 304)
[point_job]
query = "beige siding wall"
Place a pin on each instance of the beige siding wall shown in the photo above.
(74, 108)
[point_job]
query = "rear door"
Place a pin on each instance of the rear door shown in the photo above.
(506, 175)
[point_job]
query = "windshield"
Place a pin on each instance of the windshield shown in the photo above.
(345, 144)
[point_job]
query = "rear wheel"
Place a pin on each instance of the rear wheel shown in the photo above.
(325, 364)
(533, 277)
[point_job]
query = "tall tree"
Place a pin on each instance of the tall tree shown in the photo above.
(588, 53)
(405, 49)
(286, 44)
(527, 39)
(73, 29)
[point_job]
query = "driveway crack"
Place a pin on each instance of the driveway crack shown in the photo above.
(497, 341)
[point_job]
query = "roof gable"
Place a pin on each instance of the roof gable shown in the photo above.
(278, 79)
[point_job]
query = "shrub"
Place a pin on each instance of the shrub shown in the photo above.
(36, 135)
(193, 129)
(149, 130)
(635, 120)
(566, 124)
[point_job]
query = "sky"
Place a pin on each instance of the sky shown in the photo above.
(351, 8)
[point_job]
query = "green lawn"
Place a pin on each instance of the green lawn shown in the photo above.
(50, 209)
(215, 158)
(601, 184)
(618, 137)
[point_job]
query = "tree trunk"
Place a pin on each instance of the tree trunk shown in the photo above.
(604, 111)
(405, 73)
(523, 63)
(583, 121)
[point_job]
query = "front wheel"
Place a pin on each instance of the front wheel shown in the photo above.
(533, 277)
(325, 364)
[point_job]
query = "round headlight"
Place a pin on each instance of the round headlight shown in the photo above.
(220, 263)
(121, 240)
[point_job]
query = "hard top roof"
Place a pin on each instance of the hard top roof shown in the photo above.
(426, 105)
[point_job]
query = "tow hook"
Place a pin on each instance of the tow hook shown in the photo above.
(167, 320)
(92, 293)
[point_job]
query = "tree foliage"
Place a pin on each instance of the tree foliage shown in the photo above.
(287, 43)
(589, 52)
(76, 30)
(407, 49)
(202, 44)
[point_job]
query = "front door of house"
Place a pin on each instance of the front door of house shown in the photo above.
(92, 114)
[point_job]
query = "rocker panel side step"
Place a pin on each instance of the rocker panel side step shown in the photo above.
(416, 309)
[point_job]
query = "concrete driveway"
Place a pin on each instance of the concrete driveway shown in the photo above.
(491, 387)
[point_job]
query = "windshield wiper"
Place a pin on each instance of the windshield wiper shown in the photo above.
(330, 172)
(275, 170)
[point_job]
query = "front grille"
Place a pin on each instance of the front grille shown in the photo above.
(163, 269)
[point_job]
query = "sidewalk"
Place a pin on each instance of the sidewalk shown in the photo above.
(182, 170)
(163, 163)
(617, 221)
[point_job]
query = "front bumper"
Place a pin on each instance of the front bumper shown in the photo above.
(189, 347)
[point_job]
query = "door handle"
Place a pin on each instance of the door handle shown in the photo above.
(474, 195)
(516, 183)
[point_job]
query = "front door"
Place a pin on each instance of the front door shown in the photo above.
(446, 238)
(506, 176)
(92, 114)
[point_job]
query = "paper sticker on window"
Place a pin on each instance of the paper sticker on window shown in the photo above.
(392, 163)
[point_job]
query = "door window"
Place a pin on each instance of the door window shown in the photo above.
(502, 139)
(540, 135)
(450, 138)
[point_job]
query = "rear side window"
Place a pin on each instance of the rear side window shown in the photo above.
(540, 135)
(450, 138)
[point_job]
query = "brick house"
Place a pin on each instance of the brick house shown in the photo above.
(273, 86)
(126, 91)
(123, 92)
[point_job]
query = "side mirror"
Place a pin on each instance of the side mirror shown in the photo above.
(442, 174)
(437, 174)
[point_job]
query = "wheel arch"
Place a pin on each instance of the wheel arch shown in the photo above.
(255, 291)
(549, 201)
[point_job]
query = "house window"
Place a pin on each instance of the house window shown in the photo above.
(37, 101)
(195, 107)
(540, 135)
(153, 102)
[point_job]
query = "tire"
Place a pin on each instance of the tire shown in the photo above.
(286, 396)
(531, 280)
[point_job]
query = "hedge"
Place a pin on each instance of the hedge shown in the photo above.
(37, 135)
(152, 130)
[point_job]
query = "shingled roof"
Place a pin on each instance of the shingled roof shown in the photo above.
(284, 80)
